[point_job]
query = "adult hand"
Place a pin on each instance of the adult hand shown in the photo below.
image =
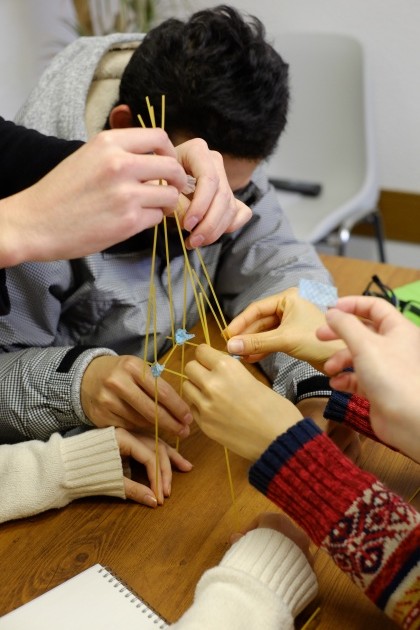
(213, 209)
(281, 323)
(384, 351)
(142, 449)
(99, 195)
(120, 391)
(282, 524)
(232, 407)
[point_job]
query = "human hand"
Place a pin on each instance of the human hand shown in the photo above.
(99, 195)
(232, 407)
(213, 209)
(120, 391)
(281, 323)
(282, 524)
(142, 449)
(384, 351)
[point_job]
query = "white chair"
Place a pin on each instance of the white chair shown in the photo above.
(328, 140)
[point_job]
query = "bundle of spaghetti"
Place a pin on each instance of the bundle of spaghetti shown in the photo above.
(201, 300)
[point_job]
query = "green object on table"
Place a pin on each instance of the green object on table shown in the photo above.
(409, 296)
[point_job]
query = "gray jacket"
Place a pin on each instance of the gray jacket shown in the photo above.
(66, 313)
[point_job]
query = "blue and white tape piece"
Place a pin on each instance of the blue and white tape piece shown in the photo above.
(181, 336)
(157, 369)
(320, 294)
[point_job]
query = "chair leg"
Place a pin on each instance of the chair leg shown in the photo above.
(378, 227)
(343, 239)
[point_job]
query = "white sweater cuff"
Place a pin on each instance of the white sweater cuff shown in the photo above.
(277, 562)
(92, 464)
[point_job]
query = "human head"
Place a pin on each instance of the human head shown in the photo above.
(222, 81)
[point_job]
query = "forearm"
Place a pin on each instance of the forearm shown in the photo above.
(263, 581)
(325, 493)
(40, 391)
(37, 476)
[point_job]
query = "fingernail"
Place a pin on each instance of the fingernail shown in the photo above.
(168, 491)
(190, 223)
(150, 500)
(196, 240)
(188, 418)
(235, 346)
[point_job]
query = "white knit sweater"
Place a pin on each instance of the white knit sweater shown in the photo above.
(36, 476)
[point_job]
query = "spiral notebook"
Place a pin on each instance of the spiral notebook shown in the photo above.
(95, 598)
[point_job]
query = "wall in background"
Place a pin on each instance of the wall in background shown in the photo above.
(30, 34)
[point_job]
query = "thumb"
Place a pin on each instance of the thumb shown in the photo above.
(258, 343)
(348, 328)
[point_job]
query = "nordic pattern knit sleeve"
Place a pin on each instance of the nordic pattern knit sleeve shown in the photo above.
(372, 535)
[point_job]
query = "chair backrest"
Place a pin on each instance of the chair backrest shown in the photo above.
(329, 136)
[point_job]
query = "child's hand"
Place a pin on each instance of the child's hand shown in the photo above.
(142, 449)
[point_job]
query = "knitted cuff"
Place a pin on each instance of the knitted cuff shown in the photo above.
(352, 410)
(276, 561)
(92, 464)
(307, 476)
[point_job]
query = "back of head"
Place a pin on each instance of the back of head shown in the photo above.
(222, 82)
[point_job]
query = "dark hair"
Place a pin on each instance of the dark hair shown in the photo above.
(222, 82)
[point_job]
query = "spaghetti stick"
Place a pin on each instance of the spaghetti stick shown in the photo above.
(312, 618)
(141, 121)
(162, 112)
(149, 305)
(206, 273)
(413, 496)
(187, 263)
(203, 310)
(197, 279)
(184, 325)
(151, 112)
(168, 268)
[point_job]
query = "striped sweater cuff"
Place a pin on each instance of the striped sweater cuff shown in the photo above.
(353, 411)
(308, 477)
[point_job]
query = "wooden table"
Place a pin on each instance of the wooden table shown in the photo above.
(162, 553)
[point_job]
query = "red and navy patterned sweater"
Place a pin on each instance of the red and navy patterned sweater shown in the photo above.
(372, 534)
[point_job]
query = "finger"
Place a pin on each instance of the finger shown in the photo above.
(193, 395)
(338, 362)
(165, 469)
(178, 460)
(159, 171)
(326, 333)
(263, 324)
(262, 343)
(209, 357)
(173, 412)
(241, 217)
(139, 493)
(139, 141)
(345, 382)
(267, 307)
(133, 408)
(368, 307)
(197, 160)
(196, 373)
(348, 328)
